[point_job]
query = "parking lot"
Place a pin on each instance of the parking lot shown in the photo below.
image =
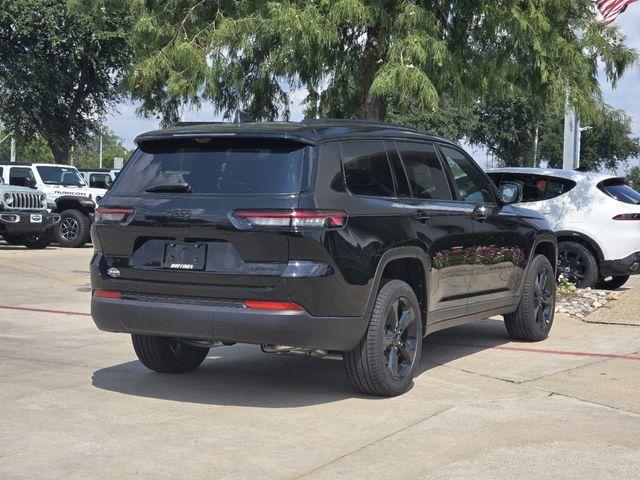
(77, 404)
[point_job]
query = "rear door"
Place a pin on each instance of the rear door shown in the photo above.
(184, 194)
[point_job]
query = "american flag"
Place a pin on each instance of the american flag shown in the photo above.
(610, 9)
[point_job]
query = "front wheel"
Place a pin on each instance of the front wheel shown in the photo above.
(532, 321)
(612, 283)
(13, 239)
(73, 229)
(39, 241)
(168, 355)
(386, 359)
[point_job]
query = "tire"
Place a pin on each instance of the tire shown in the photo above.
(13, 239)
(578, 264)
(167, 355)
(613, 283)
(73, 230)
(39, 241)
(533, 319)
(370, 364)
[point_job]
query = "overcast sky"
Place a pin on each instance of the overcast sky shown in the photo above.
(626, 96)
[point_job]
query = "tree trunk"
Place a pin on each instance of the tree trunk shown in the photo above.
(371, 107)
(60, 148)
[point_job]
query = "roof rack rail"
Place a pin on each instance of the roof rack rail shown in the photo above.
(350, 121)
(194, 124)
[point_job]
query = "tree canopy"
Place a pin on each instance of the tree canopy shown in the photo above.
(61, 63)
(362, 58)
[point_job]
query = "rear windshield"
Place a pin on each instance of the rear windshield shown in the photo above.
(214, 166)
(620, 191)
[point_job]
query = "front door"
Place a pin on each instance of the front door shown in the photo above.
(501, 246)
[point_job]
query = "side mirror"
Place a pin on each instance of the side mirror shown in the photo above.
(31, 182)
(509, 192)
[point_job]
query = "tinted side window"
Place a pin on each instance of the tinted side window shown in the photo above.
(471, 183)
(20, 177)
(402, 184)
(427, 178)
(99, 180)
(536, 188)
(620, 191)
(557, 187)
(366, 169)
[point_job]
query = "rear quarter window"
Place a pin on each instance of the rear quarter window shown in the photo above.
(366, 168)
(214, 166)
(618, 189)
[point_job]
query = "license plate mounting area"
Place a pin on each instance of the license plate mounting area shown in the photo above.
(185, 256)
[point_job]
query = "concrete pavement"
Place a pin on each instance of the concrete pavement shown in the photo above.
(75, 403)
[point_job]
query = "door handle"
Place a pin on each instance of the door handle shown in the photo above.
(480, 214)
(420, 215)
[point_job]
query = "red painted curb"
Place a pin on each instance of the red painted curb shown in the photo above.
(42, 310)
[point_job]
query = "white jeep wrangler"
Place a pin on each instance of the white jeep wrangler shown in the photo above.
(66, 193)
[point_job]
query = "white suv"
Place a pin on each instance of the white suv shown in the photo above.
(596, 218)
(67, 193)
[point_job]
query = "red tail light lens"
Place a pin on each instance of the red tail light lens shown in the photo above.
(113, 215)
(627, 216)
(289, 219)
(110, 294)
(282, 306)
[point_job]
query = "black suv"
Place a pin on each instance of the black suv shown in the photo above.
(318, 237)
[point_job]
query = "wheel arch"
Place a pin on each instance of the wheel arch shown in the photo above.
(584, 240)
(395, 257)
(70, 202)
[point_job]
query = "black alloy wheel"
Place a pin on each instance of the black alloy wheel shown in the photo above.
(544, 296)
(400, 338)
(386, 359)
(577, 264)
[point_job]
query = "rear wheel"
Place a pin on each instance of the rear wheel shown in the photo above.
(532, 320)
(577, 264)
(168, 355)
(73, 229)
(612, 283)
(38, 241)
(386, 359)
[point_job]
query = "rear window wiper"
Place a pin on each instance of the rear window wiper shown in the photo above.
(170, 188)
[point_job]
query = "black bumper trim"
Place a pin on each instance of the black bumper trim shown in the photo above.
(25, 225)
(229, 324)
(625, 266)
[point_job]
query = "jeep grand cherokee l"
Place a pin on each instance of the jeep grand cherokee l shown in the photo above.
(321, 237)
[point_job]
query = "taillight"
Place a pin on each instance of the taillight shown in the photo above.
(266, 305)
(110, 294)
(627, 216)
(113, 215)
(289, 219)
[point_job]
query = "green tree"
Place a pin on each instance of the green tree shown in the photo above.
(608, 141)
(61, 62)
(448, 120)
(634, 177)
(87, 154)
(358, 57)
(33, 149)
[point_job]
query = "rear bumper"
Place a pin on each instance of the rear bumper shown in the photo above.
(625, 266)
(228, 324)
(24, 224)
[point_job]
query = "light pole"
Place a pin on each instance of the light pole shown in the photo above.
(100, 150)
(13, 146)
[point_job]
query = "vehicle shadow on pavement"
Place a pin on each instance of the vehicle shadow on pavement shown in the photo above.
(242, 375)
